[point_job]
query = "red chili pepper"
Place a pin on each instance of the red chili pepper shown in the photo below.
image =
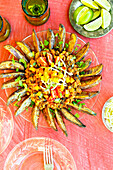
(60, 93)
(42, 61)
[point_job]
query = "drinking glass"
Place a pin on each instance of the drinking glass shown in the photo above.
(36, 12)
(5, 29)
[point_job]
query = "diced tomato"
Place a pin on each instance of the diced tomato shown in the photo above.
(57, 59)
(50, 58)
(63, 68)
(60, 93)
(42, 61)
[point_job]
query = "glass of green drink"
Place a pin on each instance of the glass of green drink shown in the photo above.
(36, 12)
(5, 29)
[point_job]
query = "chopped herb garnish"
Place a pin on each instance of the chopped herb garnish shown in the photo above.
(49, 86)
(60, 95)
(61, 42)
(80, 64)
(77, 115)
(76, 48)
(27, 109)
(46, 42)
(13, 60)
(34, 64)
(41, 44)
(16, 104)
(51, 110)
(78, 100)
(17, 69)
(69, 109)
(44, 52)
(21, 60)
(74, 102)
(66, 45)
(57, 100)
(82, 73)
(18, 79)
(32, 103)
(64, 49)
(56, 46)
(79, 45)
(56, 35)
(20, 83)
(80, 106)
(74, 57)
(46, 49)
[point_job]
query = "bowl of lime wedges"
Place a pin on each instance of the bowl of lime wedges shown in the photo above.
(91, 18)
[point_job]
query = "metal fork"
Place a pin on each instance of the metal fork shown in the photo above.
(48, 156)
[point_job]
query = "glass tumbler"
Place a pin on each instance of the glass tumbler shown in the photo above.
(5, 29)
(36, 12)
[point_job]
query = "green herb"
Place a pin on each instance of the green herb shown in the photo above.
(69, 109)
(57, 47)
(49, 86)
(77, 115)
(32, 103)
(21, 60)
(46, 49)
(61, 42)
(64, 49)
(74, 57)
(66, 45)
(13, 60)
(46, 42)
(76, 48)
(78, 100)
(34, 64)
(74, 102)
(44, 52)
(18, 79)
(16, 104)
(60, 95)
(56, 35)
(41, 44)
(80, 64)
(27, 109)
(82, 73)
(57, 100)
(51, 110)
(79, 45)
(80, 106)
(20, 83)
(17, 69)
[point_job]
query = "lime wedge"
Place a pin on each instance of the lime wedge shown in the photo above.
(104, 4)
(96, 14)
(106, 18)
(83, 15)
(90, 3)
(94, 25)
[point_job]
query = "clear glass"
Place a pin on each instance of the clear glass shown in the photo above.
(5, 29)
(36, 12)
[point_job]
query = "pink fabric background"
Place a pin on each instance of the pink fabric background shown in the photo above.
(91, 147)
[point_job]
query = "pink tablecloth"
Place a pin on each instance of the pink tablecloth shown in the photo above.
(91, 147)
